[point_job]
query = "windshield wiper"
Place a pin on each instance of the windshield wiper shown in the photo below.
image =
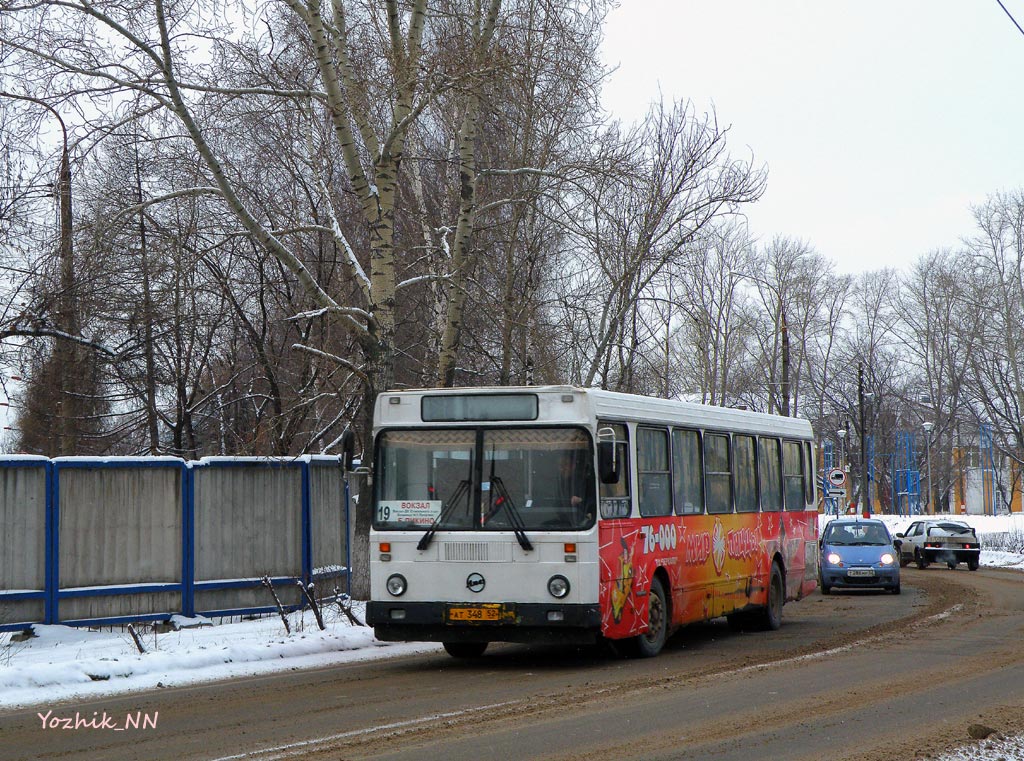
(428, 536)
(505, 500)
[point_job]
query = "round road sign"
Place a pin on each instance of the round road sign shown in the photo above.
(837, 477)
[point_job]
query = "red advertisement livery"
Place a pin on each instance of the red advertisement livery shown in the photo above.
(715, 565)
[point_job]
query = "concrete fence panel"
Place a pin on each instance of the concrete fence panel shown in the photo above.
(328, 516)
(120, 532)
(23, 538)
(248, 524)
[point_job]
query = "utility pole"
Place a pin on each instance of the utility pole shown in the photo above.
(865, 505)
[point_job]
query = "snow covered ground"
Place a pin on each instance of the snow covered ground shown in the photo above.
(62, 663)
(996, 748)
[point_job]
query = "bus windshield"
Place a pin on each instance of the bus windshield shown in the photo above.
(485, 479)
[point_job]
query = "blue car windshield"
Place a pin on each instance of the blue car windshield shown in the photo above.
(862, 535)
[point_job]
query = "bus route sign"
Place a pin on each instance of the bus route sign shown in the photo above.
(418, 512)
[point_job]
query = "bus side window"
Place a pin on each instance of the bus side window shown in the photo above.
(793, 475)
(687, 472)
(654, 498)
(808, 477)
(746, 473)
(615, 497)
(771, 475)
(718, 472)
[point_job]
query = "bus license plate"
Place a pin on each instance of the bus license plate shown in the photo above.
(487, 613)
(861, 572)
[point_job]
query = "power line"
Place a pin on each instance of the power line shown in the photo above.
(1011, 16)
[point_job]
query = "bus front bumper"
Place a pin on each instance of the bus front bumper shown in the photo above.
(540, 623)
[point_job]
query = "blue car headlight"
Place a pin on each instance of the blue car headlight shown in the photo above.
(833, 558)
(887, 558)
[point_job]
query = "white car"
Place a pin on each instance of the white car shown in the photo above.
(939, 541)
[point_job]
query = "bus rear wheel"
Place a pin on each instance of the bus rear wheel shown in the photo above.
(465, 649)
(649, 644)
(771, 616)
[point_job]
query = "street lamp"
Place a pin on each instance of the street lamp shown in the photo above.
(928, 425)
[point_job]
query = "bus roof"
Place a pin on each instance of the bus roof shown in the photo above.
(560, 405)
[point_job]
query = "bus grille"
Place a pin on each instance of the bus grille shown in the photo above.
(477, 552)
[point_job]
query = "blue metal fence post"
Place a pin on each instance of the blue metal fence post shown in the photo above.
(52, 545)
(988, 470)
(894, 488)
(55, 557)
(188, 541)
(307, 523)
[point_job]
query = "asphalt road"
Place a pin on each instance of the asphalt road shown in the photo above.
(849, 676)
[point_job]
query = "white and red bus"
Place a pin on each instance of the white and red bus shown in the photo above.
(561, 514)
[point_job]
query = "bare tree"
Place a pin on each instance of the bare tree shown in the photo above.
(380, 74)
(717, 319)
(942, 339)
(664, 182)
(993, 300)
(799, 293)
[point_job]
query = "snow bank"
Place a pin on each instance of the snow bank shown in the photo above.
(62, 662)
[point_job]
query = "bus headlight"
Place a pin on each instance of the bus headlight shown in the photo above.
(558, 586)
(396, 584)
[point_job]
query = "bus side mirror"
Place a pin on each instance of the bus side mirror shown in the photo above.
(607, 462)
(348, 448)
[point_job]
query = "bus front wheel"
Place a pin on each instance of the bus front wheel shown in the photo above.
(465, 649)
(649, 644)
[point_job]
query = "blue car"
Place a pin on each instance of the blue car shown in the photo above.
(857, 553)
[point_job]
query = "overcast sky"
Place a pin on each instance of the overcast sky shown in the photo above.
(881, 121)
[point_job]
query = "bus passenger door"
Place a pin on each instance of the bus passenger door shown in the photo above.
(623, 604)
(619, 539)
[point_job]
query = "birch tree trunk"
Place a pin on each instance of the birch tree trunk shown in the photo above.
(462, 254)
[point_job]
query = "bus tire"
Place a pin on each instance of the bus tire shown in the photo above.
(771, 616)
(649, 644)
(465, 649)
